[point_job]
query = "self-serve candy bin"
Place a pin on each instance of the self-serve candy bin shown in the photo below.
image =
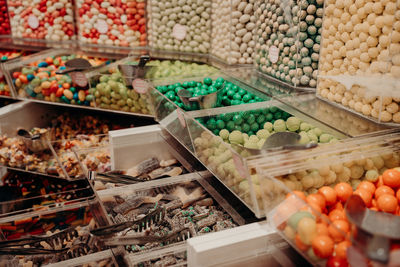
(288, 38)
(359, 67)
(318, 228)
(213, 152)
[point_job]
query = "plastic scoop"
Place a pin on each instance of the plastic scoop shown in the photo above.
(211, 100)
(35, 142)
(132, 72)
(278, 141)
(375, 230)
(76, 64)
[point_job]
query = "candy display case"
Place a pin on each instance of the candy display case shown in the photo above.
(44, 77)
(42, 20)
(359, 67)
(66, 233)
(233, 28)
(293, 184)
(288, 41)
(163, 212)
(112, 23)
(225, 154)
(183, 28)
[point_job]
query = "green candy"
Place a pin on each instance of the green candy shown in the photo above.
(237, 119)
(207, 81)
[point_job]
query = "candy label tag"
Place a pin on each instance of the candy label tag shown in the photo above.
(239, 165)
(102, 26)
(33, 22)
(181, 118)
(273, 54)
(79, 79)
(140, 86)
(179, 32)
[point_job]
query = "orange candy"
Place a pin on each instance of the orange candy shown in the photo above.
(365, 195)
(398, 195)
(383, 190)
(337, 215)
(391, 178)
(329, 194)
(341, 249)
(322, 229)
(322, 246)
(387, 203)
(299, 244)
(338, 230)
(370, 187)
(295, 194)
(317, 199)
(344, 191)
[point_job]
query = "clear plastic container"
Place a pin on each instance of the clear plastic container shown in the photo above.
(112, 23)
(35, 77)
(183, 28)
(177, 199)
(30, 193)
(229, 162)
(359, 66)
(41, 20)
(233, 28)
(288, 40)
(81, 217)
(297, 217)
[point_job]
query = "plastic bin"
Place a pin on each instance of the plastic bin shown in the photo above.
(185, 28)
(179, 198)
(229, 163)
(42, 20)
(30, 77)
(112, 23)
(359, 68)
(171, 256)
(233, 28)
(288, 40)
(351, 161)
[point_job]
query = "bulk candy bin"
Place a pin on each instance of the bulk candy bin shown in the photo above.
(233, 28)
(112, 23)
(360, 66)
(288, 40)
(42, 20)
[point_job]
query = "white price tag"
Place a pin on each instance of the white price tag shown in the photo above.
(140, 86)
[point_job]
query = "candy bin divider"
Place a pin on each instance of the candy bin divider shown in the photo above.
(137, 258)
(87, 259)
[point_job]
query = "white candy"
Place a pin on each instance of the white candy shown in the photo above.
(232, 30)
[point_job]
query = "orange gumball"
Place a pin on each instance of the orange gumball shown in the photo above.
(383, 190)
(329, 194)
(344, 191)
(338, 230)
(322, 246)
(341, 249)
(316, 199)
(370, 187)
(365, 195)
(337, 215)
(379, 182)
(338, 206)
(299, 244)
(295, 194)
(322, 229)
(387, 203)
(391, 178)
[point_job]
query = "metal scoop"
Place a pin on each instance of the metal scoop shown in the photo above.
(35, 142)
(132, 72)
(375, 230)
(76, 64)
(278, 141)
(204, 101)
